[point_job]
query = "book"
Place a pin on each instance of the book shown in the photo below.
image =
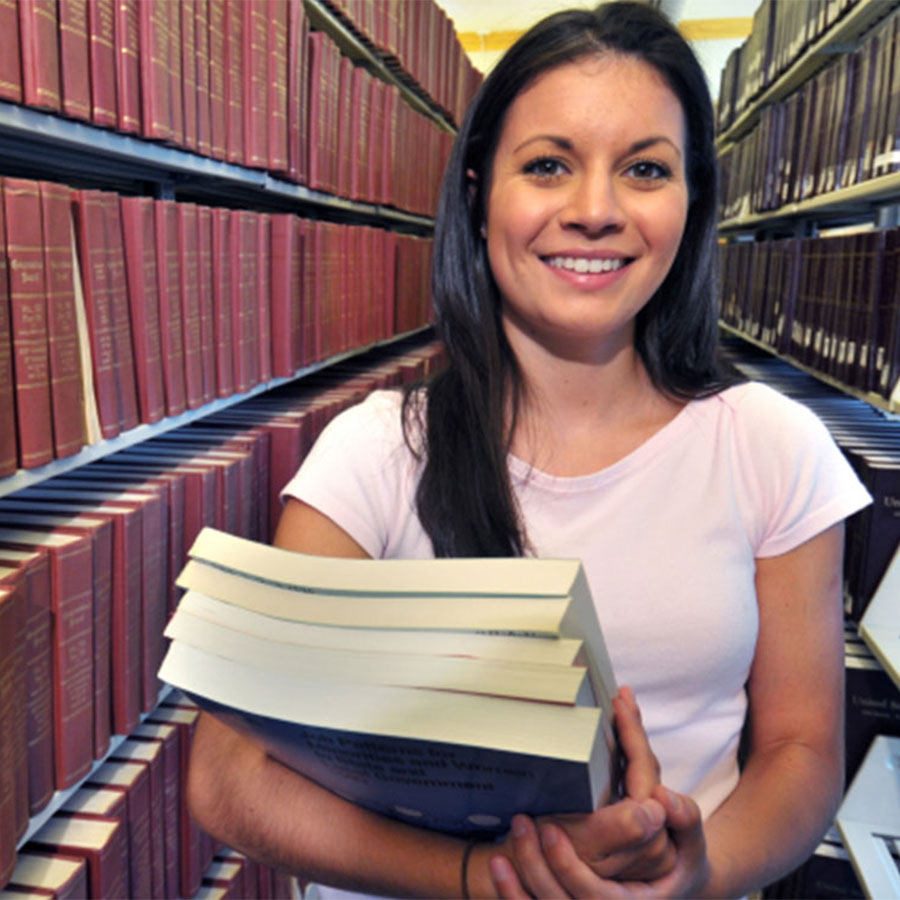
(153, 28)
(102, 47)
(39, 30)
(217, 76)
(202, 76)
(449, 740)
(128, 65)
(9, 458)
(49, 875)
(188, 80)
(189, 304)
(170, 318)
(74, 60)
(10, 52)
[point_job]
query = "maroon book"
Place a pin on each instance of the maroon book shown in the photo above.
(102, 843)
(188, 81)
(10, 53)
(218, 108)
(139, 235)
(169, 276)
(297, 92)
(255, 33)
(50, 875)
(244, 298)
(189, 294)
(128, 65)
(72, 599)
(33, 568)
(234, 81)
(38, 32)
(9, 455)
(176, 97)
(223, 220)
(28, 307)
(102, 46)
(75, 70)
(264, 296)
(276, 12)
(95, 282)
(153, 27)
(285, 295)
(202, 76)
(66, 386)
(207, 307)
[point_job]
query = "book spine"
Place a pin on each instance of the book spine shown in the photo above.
(207, 312)
(244, 299)
(190, 303)
(139, 237)
(202, 77)
(28, 306)
(102, 48)
(9, 459)
(174, 69)
(73, 59)
(255, 82)
(38, 31)
(188, 79)
(223, 314)
(10, 52)
(264, 297)
(217, 79)
(234, 81)
(283, 261)
(168, 274)
(121, 319)
(153, 27)
(65, 361)
(297, 93)
(128, 65)
(276, 13)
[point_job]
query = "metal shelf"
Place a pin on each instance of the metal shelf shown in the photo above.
(841, 37)
(29, 477)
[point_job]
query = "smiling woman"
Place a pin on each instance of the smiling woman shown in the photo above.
(582, 414)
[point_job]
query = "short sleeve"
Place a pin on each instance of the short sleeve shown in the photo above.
(797, 482)
(360, 472)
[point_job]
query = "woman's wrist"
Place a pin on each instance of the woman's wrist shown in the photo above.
(477, 872)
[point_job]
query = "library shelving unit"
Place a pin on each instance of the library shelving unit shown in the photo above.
(40, 145)
(869, 819)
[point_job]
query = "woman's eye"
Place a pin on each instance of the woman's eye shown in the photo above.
(544, 167)
(647, 170)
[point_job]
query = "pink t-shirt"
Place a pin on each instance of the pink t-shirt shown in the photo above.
(668, 537)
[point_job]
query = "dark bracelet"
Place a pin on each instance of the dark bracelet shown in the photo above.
(464, 869)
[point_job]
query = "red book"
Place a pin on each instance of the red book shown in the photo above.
(207, 308)
(126, 383)
(10, 52)
(150, 754)
(255, 30)
(38, 32)
(185, 721)
(167, 739)
(176, 97)
(33, 568)
(50, 875)
(298, 91)
(128, 65)
(133, 780)
(244, 298)
(9, 458)
(13, 735)
(346, 113)
(234, 81)
(154, 65)
(222, 222)
(217, 79)
(359, 132)
(102, 843)
(316, 143)
(190, 302)
(264, 296)
(66, 388)
(169, 275)
(75, 72)
(28, 306)
(202, 76)
(187, 15)
(285, 294)
(276, 11)
(92, 258)
(139, 234)
(102, 44)
(72, 598)
(35, 516)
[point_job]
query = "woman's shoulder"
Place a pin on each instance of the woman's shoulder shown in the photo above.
(757, 406)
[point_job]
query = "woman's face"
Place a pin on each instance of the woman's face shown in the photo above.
(587, 203)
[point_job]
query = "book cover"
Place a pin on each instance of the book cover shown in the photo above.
(153, 22)
(102, 49)
(187, 14)
(297, 92)
(39, 35)
(205, 261)
(168, 271)
(128, 65)
(202, 76)
(263, 363)
(189, 302)
(286, 294)
(9, 454)
(139, 238)
(66, 388)
(217, 79)
(10, 52)
(28, 316)
(74, 60)
(174, 69)
(276, 15)
(234, 81)
(255, 35)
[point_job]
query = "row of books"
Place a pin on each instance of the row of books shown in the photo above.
(421, 40)
(88, 560)
(831, 303)
(781, 33)
(841, 128)
(871, 443)
(229, 79)
(168, 305)
(364, 141)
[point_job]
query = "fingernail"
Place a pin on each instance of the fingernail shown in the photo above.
(519, 826)
(549, 837)
(674, 800)
(655, 814)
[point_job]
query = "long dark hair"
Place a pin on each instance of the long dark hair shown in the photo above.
(465, 499)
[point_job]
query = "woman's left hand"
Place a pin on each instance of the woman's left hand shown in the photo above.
(543, 861)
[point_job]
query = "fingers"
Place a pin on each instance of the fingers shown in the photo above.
(642, 772)
(682, 812)
(531, 866)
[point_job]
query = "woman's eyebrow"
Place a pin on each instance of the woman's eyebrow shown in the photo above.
(561, 142)
(565, 144)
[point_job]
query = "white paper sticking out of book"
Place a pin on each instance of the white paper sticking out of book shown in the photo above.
(880, 624)
(869, 819)
(448, 693)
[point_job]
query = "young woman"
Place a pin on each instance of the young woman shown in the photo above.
(583, 415)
